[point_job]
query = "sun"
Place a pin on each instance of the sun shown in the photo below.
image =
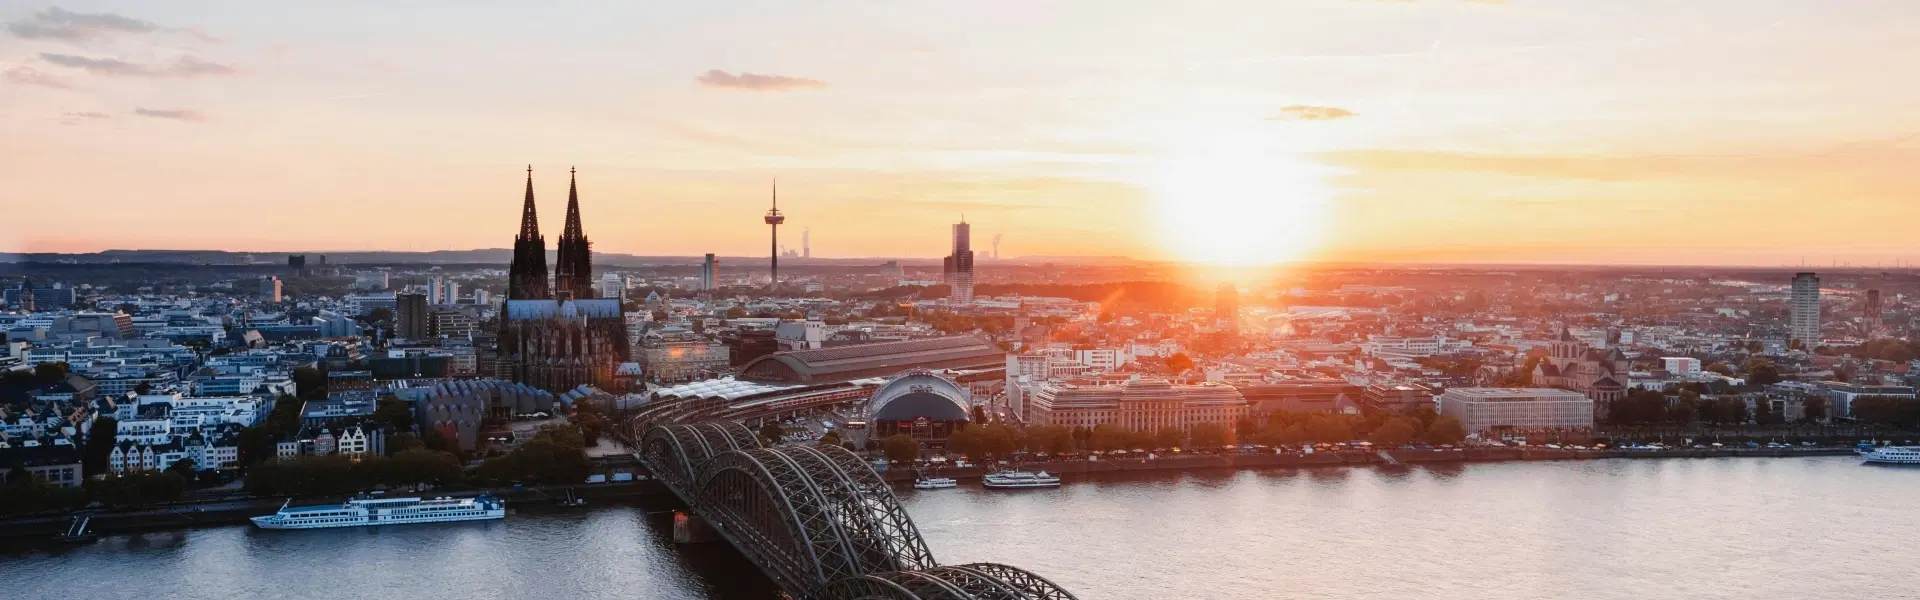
(1238, 200)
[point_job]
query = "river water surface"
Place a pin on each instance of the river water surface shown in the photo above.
(1733, 528)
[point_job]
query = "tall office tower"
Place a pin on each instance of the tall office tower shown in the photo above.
(296, 265)
(573, 271)
(1873, 316)
(482, 297)
(527, 275)
(449, 292)
(1226, 307)
(434, 285)
(959, 265)
(806, 243)
(270, 289)
(773, 220)
(1804, 325)
(709, 273)
(612, 286)
(410, 316)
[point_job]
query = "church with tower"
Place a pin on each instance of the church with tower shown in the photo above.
(1571, 364)
(558, 336)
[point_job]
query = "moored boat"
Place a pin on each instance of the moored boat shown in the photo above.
(1892, 455)
(1020, 480)
(934, 483)
(360, 512)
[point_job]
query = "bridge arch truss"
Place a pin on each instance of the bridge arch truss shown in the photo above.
(817, 519)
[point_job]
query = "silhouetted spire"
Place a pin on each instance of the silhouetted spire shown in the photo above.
(529, 218)
(527, 275)
(573, 262)
(573, 207)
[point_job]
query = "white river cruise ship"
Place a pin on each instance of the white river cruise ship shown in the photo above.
(1893, 455)
(360, 512)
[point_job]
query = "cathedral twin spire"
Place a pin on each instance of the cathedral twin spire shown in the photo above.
(573, 263)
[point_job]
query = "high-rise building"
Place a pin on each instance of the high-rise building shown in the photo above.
(773, 220)
(1872, 320)
(613, 286)
(573, 268)
(482, 297)
(806, 243)
(1804, 323)
(709, 273)
(410, 316)
(959, 265)
(1226, 307)
(441, 291)
(296, 265)
(527, 275)
(270, 289)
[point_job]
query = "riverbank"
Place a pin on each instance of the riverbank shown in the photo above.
(1183, 462)
(186, 515)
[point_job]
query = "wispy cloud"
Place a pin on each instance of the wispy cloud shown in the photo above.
(29, 76)
(175, 114)
(185, 66)
(90, 115)
(757, 82)
(61, 24)
(1299, 112)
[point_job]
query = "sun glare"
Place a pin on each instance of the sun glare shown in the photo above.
(1239, 201)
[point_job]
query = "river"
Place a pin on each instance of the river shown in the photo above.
(1732, 528)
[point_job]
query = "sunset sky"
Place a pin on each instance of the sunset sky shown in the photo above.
(1648, 132)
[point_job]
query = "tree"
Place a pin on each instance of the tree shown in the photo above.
(1329, 429)
(101, 437)
(1394, 433)
(900, 448)
(832, 438)
(309, 383)
(1721, 368)
(771, 432)
(736, 313)
(1761, 371)
(395, 413)
(979, 414)
(1210, 435)
(406, 441)
(1815, 408)
(184, 467)
(380, 314)
(1446, 430)
(1169, 437)
(1179, 362)
(50, 372)
(659, 316)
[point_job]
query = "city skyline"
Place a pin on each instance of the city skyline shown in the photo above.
(1715, 133)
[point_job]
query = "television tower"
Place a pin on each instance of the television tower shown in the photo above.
(774, 219)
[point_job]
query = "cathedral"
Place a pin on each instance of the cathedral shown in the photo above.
(1572, 365)
(559, 336)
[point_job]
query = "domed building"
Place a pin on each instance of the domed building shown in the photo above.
(921, 404)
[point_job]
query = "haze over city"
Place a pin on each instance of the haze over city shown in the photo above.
(1527, 131)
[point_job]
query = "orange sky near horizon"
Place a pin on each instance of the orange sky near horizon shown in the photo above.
(1741, 132)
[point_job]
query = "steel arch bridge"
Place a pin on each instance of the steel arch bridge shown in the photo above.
(817, 519)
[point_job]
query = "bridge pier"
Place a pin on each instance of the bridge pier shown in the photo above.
(689, 529)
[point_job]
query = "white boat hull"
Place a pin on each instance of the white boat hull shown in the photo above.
(265, 522)
(1892, 455)
(1022, 486)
